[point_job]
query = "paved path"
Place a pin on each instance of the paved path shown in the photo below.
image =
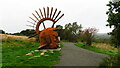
(76, 56)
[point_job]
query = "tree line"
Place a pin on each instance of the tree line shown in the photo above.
(71, 32)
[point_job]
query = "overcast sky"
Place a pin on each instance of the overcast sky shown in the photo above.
(90, 13)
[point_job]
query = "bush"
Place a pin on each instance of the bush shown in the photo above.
(87, 35)
(112, 61)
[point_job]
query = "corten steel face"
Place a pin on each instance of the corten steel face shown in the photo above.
(48, 36)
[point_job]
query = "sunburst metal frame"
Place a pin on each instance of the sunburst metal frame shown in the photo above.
(45, 15)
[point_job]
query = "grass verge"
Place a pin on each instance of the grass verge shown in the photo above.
(61, 45)
(14, 54)
(98, 50)
(64, 40)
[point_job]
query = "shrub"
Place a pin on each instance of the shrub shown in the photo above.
(87, 35)
(112, 61)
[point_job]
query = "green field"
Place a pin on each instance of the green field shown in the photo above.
(14, 54)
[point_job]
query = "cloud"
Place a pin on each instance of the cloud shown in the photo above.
(115, 0)
(89, 13)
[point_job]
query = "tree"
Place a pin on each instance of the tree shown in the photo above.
(114, 20)
(2, 32)
(28, 32)
(72, 31)
(59, 27)
(60, 31)
(87, 35)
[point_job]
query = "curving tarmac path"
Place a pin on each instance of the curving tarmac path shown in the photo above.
(76, 56)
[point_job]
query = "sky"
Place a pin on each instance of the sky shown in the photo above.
(89, 13)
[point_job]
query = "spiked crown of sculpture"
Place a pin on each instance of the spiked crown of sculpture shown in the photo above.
(47, 14)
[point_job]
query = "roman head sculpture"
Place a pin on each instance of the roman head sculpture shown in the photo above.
(48, 36)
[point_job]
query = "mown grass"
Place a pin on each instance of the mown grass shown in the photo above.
(14, 54)
(61, 45)
(95, 49)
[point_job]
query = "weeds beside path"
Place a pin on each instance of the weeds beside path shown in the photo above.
(95, 48)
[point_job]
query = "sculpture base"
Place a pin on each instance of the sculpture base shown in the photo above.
(46, 47)
(58, 49)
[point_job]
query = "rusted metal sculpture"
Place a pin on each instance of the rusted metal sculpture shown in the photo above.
(48, 36)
